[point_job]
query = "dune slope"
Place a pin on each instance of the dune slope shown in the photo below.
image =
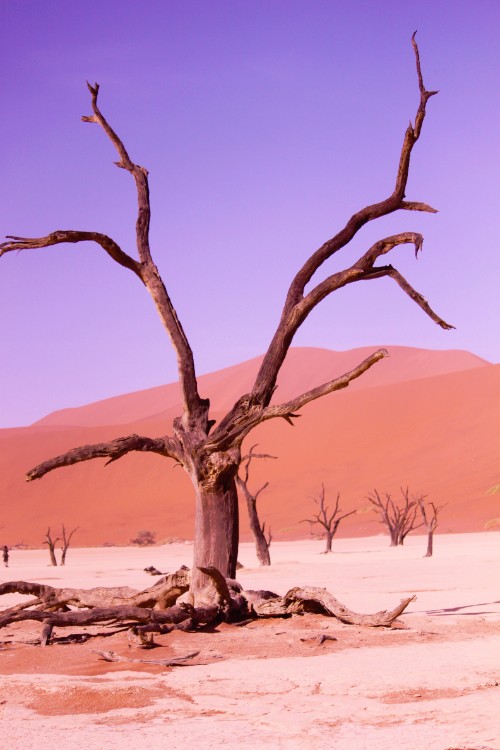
(437, 434)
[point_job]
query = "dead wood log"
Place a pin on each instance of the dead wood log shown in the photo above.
(313, 599)
(174, 661)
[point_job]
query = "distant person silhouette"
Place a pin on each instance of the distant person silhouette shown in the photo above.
(6, 556)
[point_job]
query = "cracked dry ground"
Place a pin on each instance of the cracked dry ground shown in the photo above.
(272, 683)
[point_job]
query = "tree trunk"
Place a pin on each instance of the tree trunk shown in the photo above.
(216, 533)
(430, 536)
(329, 539)
(52, 554)
(261, 545)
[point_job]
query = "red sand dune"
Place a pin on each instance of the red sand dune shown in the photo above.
(424, 419)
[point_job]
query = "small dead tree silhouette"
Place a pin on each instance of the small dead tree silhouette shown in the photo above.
(398, 519)
(262, 543)
(329, 521)
(52, 545)
(66, 539)
(430, 514)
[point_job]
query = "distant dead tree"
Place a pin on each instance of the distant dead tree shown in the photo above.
(398, 519)
(52, 546)
(262, 543)
(430, 514)
(329, 521)
(66, 539)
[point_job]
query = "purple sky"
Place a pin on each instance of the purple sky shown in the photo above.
(265, 125)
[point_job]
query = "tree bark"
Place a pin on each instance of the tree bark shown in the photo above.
(51, 543)
(329, 540)
(216, 534)
(430, 540)
(261, 545)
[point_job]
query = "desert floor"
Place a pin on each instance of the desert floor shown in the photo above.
(433, 684)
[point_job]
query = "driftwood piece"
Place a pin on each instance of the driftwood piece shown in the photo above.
(175, 661)
(313, 599)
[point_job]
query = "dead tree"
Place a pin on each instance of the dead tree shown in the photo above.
(66, 539)
(398, 519)
(429, 513)
(329, 521)
(262, 543)
(210, 453)
(52, 545)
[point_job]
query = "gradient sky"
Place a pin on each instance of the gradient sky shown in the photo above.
(264, 125)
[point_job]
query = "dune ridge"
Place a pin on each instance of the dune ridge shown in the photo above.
(304, 368)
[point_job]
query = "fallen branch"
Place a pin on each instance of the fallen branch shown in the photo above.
(312, 599)
(176, 661)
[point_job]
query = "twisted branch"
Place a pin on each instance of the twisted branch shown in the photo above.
(113, 450)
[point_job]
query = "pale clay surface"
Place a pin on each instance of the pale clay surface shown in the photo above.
(417, 695)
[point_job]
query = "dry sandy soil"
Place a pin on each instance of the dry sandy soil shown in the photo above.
(433, 684)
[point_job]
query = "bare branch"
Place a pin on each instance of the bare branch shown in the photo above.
(195, 408)
(246, 461)
(113, 450)
(337, 384)
(257, 492)
(246, 415)
(139, 174)
(430, 513)
(391, 272)
(72, 236)
(416, 206)
(294, 311)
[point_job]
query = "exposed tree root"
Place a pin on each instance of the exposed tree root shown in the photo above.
(318, 600)
(160, 608)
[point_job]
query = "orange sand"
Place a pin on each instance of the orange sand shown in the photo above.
(424, 419)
